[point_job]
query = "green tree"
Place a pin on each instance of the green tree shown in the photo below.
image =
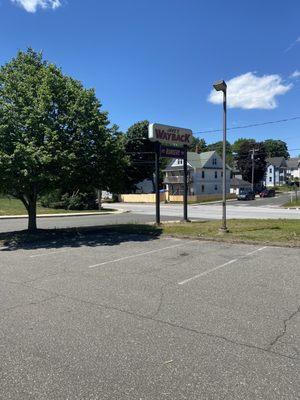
(52, 132)
(197, 143)
(276, 148)
(237, 144)
(140, 151)
(218, 147)
(244, 161)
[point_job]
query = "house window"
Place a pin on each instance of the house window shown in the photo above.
(216, 174)
(214, 161)
(202, 188)
(216, 187)
(180, 162)
(222, 175)
(270, 170)
(270, 179)
(203, 174)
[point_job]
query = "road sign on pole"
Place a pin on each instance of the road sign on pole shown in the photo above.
(172, 152)
(164, 136)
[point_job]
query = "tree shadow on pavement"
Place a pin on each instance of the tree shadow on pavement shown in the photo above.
(76, 237)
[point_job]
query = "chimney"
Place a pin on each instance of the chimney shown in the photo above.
(198, 151)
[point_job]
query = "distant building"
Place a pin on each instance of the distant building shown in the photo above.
(237, 184)
(276, 173)
(204, 174)
(293, 168)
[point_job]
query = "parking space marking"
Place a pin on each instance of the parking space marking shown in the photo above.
(143, 254)
(220, 266)
(48, 254)
(255, 251)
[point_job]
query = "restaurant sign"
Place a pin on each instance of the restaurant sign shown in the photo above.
(170, 135)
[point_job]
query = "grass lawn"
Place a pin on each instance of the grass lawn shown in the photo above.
(10, 206)
(294, 203)
(280, 231)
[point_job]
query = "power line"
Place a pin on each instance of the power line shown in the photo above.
(249, 126)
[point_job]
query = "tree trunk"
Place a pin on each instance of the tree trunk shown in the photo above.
(32, 226)
(99, 193)
(29, 202)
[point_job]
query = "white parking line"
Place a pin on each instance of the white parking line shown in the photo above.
(255, 251)
(143, 254)
(219, 266)
(48, 254)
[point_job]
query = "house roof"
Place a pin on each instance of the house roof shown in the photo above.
(293, 163)
(195, 160)
(276, 161)
(238, 183)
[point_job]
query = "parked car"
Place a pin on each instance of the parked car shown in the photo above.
(246, 195)
(267, 193)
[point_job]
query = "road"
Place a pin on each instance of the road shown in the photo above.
(133, 318)
(142, 213)
(259, 208)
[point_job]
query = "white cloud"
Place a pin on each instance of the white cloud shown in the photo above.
(32, 5)
(249, 91)
(295, 74)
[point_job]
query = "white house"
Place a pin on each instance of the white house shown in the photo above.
(276, 173)
(293, 168)
(204, 174)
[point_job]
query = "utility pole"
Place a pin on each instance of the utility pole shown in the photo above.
(253, 164)
(252, 158)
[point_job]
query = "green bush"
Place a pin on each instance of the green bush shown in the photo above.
(52, 200)
(67, 201)
(80, 201)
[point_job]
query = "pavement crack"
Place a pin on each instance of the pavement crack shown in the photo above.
(32, 303)
(161, 298)
(173, 324)
(285, 326)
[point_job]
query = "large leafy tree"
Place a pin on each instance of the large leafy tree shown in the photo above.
(237, 144)
(218, 147)
(52, 133)
(244, 160)
(140, 151)
(197, 144)
(276, 148)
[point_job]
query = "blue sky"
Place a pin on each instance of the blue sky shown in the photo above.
(157, 59)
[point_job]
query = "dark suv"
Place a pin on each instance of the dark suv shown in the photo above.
(246, 195)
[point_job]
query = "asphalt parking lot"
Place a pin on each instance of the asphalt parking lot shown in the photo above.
(131, 317)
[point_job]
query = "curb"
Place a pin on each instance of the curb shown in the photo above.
(87, 214)
(212, 202)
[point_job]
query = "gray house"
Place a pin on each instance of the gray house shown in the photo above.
(276, 173)
(204, 174)
(293, 168)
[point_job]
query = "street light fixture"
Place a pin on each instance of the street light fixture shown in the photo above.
(220, 86)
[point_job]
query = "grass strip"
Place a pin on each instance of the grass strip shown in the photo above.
(280, 232)
(11, 206)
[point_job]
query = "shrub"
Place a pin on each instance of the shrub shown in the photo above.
(67, 201)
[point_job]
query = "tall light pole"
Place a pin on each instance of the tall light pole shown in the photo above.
(220, 86)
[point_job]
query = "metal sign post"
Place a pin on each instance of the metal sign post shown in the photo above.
(165, 137)
(157, 197)
(185, 194)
